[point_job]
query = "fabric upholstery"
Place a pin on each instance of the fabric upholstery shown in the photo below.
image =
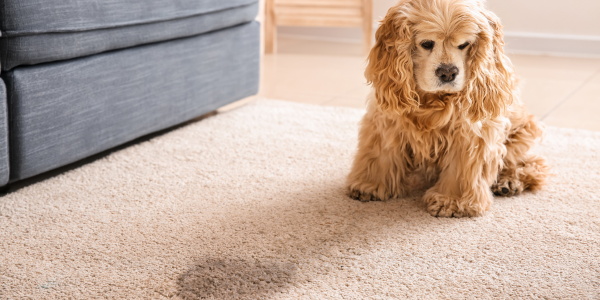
(65, 111)
(19, 17)
(4, 167)
(49, 47)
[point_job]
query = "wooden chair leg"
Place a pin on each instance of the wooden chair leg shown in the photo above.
(367, 26)
(270, 27)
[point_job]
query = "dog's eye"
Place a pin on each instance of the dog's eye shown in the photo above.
(463, 46)
(428, 45)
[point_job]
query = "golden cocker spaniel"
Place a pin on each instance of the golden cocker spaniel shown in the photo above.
(444, 113)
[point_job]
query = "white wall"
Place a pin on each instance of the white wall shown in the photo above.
(560, 27)
(380, 8)
(555, 27)
(566, 17)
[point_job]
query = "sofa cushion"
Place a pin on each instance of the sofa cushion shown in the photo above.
(3, 137)
(64, 111)
(25, 48)
(18, 17)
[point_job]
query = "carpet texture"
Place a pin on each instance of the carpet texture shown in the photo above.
(250, 204)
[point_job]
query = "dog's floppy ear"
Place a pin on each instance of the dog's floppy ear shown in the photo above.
(490, 89)
(390, 66)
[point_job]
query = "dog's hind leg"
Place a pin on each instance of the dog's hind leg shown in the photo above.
(528, 173)
(521, 170)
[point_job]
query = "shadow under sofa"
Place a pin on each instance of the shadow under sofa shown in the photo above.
(124, 82)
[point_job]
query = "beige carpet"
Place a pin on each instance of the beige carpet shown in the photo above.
(250, 204)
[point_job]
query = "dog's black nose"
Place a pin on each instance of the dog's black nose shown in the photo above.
(505, 191)
(446, 73)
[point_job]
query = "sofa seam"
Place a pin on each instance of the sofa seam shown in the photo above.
(10, 33)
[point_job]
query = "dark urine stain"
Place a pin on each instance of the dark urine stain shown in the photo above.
(235, 279)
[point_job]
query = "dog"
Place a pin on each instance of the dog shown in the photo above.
(444, 112)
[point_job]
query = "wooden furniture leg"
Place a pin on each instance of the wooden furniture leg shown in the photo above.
(270, 27)
(317, 13)
(367, 26)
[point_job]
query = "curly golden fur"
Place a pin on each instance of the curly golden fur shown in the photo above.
(444, 112)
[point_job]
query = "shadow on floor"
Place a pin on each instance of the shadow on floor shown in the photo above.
(15, 186)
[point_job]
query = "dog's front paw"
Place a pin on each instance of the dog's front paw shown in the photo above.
(444, 210)
(507, 187)
(362, 196)
(439, 205)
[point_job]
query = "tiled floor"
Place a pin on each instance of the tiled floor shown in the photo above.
(560, 91)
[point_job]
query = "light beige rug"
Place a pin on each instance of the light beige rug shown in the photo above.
(250, 204)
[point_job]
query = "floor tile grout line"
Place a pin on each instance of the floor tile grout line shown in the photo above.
(571, 94)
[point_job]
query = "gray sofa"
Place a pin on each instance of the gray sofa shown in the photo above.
(83, 76)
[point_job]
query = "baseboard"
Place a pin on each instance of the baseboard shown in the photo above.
(552, 44)
(516, 42)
